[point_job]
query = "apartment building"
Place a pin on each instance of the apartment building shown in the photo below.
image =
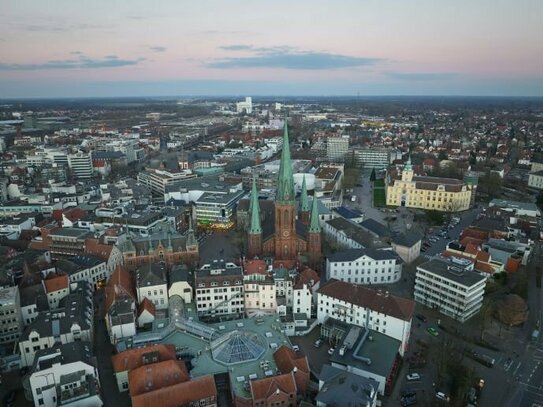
(535, 179)
(364, 266)
(259, 289)
(158, 179)
(370, 158)
(81, 165)
(336, 148)
(368, 308)
(10, 314)
(451, 286)
(219, 289)
(66, 375)
(72, 321)
(84, 268)
(152, 283)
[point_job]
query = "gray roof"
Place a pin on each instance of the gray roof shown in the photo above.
(507, 204)
(354, 254)
(379, 348)
(71, 232)
(408, 240)
(64, 354)
(446, 268)
(34, 295)
(350, 388)
(373, 226)
(180, 272)
(151, 274)
(76, 308)
(357, 233)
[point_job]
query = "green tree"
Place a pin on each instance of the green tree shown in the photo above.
(442, 155)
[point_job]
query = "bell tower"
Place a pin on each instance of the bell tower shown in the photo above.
(285, 206)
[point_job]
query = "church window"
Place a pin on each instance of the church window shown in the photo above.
(286, 218)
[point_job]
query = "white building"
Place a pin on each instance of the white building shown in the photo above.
(84, 268)
(364, 266)
(65, 375)
(245, 106)
(179, 280)
(56, 288)
(284, 289)
(81, 165)
(259, 289)
(157, 180)
(151, 283)
(372, 309)
(451, 286)
(219, 289)
(72, 321)
(336, 148)
(407, 246)
(370, 158)
(10, 314)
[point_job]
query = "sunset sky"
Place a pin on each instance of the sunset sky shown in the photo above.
(159, 48)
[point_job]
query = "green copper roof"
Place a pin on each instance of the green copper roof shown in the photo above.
(314, 224)
(408, 166)
(191, 239)
(285, 180)
(304, 201)
(255, 212)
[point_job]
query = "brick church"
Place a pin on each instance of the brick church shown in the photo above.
(294, 229)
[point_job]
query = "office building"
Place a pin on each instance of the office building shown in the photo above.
(336, 148)
(451, 286)
(10, 314)
(81, 165)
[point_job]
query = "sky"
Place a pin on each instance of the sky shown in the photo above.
(109, 48)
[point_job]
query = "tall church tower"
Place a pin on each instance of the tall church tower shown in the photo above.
(254, 236)
(314, 247)
(304, 205)
(285, 206)
(407, 172)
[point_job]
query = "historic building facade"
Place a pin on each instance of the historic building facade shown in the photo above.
(431, 193)
(169, 247)
(295, 229)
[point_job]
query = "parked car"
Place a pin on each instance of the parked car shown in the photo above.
(295, 348)
(442, 396)
(421, 317)
(413, 376)
(331, 351)
(408, 401)
(432, 331)
(318, 343)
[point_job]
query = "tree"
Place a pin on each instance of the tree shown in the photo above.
(539, 199)
(442, 155)
(490, 184)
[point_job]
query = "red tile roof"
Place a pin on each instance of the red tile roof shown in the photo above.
(133, 358)
(398, 307)
(55, 282)
(119, 286)
(256, 267)
(288, 361)
(100, 250)
(307, 276)
(147, 305)
(201, 388)
(155, 376)
(264, 388)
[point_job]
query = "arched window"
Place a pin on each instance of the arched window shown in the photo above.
(285, 250)
(286, 218)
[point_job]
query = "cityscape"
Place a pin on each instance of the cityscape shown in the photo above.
(193, 213)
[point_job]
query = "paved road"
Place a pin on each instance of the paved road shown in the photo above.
(466, 219)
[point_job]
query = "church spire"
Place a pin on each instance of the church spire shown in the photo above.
(285, 180)
(255, 212)
(314, 225)
(304, 201)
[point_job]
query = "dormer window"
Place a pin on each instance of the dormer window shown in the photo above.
(214, 284)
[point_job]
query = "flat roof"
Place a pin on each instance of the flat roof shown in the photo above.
(446, 268)
(379, 348)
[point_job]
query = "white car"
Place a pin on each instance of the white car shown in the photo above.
(442, 396)
(331, 351)
(295, 348)
(413, 376)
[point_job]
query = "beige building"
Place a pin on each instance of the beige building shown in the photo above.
(259, 287)
(407, 246)
(535, 179)
(431, 193)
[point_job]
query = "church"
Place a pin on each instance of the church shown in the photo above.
(294, 229)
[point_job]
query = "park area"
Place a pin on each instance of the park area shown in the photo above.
(379, 198)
